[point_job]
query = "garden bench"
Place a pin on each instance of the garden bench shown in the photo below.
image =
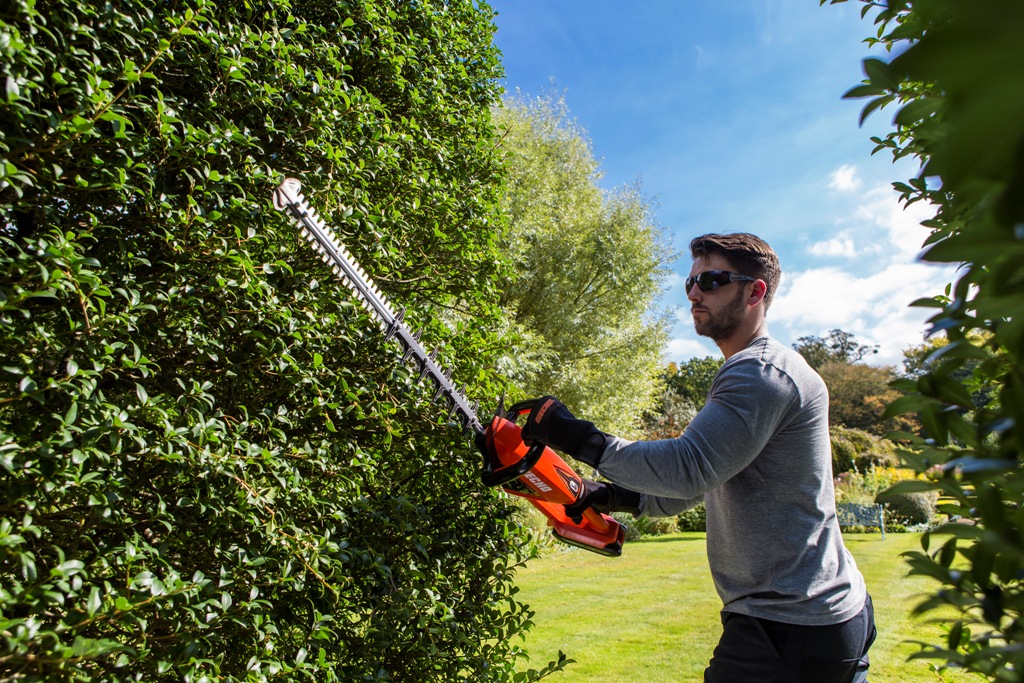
(856, 514)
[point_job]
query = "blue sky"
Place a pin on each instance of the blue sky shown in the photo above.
(731, 116)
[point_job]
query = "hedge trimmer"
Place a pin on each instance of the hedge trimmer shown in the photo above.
(531, 471)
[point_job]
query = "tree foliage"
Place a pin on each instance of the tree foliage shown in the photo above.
(958, 82)
(692, 378)
(859, 395)
(918, 359)
(210, 468)
(590, 265)
(670, 418)
(687, 386)
(837, 346)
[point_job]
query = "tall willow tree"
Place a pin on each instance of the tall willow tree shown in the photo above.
(590, 265)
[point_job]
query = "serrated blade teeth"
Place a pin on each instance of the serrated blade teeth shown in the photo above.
(424, 369)
(409, 353)
(395, 325)
(456, 410)
(289, 198)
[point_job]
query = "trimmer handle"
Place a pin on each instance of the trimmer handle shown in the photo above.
(494, 474)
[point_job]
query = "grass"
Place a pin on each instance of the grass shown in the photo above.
(653, 615)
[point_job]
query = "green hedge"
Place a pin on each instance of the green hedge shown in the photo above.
(211, 469)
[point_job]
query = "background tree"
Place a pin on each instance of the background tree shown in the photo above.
(670, 417)
(959, 85)
(859, 395)
(691, 379)
(590, 265)
(917, 360)
(686, 389)
(210, 468)
(838, 346)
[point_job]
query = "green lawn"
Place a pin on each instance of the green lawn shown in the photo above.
(652, 615)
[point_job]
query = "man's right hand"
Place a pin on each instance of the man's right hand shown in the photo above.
(553, 425)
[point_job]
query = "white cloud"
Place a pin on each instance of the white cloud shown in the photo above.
(876, 226)
(701, 56)
(867, 293)
(844, 179)
(840, 245)
(682, 348)
(874, 308)
(902, 232)
(675, 279)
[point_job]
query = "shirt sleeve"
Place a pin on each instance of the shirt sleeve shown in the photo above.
(746, 407)
(655, 506)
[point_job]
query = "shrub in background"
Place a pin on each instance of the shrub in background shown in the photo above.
(864, 487)
(210, 468)
(694, 519)
(641, 527)
(872, 486)
(909, 509)
(855, 449)
(535, 526)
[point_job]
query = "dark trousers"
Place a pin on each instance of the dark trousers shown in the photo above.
(761, 651)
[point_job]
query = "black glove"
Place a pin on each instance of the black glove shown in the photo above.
(553, 425)
(603, 497)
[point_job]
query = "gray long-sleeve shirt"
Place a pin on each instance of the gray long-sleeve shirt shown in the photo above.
(759, 455)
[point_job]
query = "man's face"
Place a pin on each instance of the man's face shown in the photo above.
(720, 312)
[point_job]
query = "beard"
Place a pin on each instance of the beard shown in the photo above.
(722, 325)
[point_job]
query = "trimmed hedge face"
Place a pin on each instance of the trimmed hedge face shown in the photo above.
(210, 467)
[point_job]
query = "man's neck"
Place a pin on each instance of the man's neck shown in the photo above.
(741, 339)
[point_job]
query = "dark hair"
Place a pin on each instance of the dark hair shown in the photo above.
(748, 254)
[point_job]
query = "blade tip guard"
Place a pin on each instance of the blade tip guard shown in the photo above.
(287, 193)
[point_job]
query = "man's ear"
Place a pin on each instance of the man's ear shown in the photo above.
(757, 292)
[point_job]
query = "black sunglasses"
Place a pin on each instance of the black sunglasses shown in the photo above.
(713, 279)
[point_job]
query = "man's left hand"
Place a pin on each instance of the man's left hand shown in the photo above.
(603, 497)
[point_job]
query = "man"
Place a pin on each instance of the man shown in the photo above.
(795, 607)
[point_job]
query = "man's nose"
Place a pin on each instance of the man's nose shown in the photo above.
(694, 294)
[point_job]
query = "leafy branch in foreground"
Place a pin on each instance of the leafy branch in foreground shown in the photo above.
(958, 83)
